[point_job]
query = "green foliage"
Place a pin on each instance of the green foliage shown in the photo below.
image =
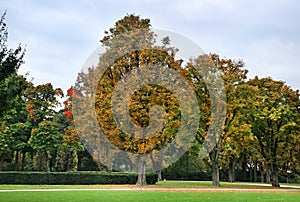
(188, 167)
(274, 118)
(72, 178)
(67, 158)
(42, 101)
(12, 109)
(171, 174)
(233, 75)
(46, 137)
(6, 144)
(10, 61)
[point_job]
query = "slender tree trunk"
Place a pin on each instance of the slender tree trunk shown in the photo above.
(230, 175)
(47, 162)
(268, 174)
(231, 170)
(141, 172)
(23, 160)
(261, 169)
(37, 162)
(261, 173)
(262, 177)
(286, 173)
(1, 163)
(255, 171)
(157, 162)
(42, 163)
(251, 173)
(244, 168)
(17, 160)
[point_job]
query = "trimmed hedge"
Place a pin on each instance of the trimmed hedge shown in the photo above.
(72, 178)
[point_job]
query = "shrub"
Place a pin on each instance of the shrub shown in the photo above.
(72, 178)
(175, 175)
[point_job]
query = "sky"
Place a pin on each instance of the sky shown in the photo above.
(60, 35)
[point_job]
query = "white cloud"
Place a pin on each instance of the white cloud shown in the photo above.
(276, 58)
(195, 9)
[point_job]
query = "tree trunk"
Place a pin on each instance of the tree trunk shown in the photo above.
(42, 161)
(215, 168)
(159, 175)
(17, 161)
(230, 175)
(141, 172)
(261, 172)
(250, 173)
(268, 174)
(157, 162)
(23, 160)
(244, 168)
(255, 171)
(262, 177)
(1, 163)
(275, 181)
(215, 174)
(231, 170)
(47, 162)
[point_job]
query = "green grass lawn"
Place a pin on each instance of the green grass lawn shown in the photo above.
(35, 193)
(145, 196)
(161, 184)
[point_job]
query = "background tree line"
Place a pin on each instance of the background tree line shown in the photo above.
(259, 140)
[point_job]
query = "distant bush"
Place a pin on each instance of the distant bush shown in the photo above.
(171, 175)
(72, 178)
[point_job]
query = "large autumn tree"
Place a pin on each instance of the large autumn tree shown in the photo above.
(143, 100)
(233, 76)
(147, 101)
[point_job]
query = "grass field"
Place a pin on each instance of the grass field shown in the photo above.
(144, 196)
(163, 191)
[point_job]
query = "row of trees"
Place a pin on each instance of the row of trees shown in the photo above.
(261, 127)
(260, 134)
